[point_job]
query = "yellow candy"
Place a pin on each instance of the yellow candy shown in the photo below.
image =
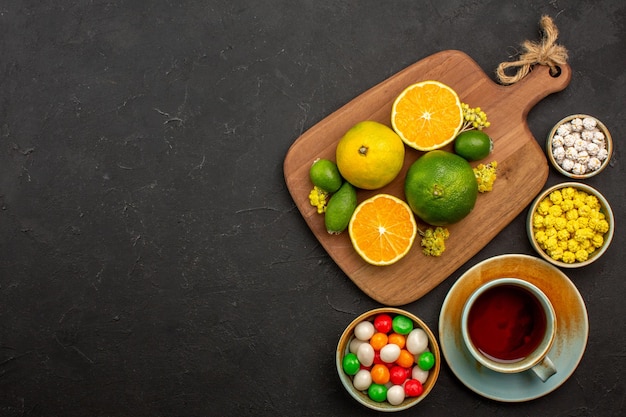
(569, 225)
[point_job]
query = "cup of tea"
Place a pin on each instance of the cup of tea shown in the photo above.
(508, 325)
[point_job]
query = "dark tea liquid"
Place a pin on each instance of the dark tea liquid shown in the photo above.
(506, 323)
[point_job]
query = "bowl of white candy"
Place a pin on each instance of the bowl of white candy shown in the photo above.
(579, 146)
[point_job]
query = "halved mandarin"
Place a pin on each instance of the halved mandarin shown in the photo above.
(382, 229)
(427, 115)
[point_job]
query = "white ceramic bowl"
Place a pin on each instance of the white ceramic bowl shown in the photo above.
(608, 146)
(361, 396)
(605, 209)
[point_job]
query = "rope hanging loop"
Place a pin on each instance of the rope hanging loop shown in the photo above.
(546, 52)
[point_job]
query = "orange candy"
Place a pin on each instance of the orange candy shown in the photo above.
(378, 340)
(380, 374)
(397, 339)
(406, 359)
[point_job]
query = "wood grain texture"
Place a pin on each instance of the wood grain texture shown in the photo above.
(522, 170)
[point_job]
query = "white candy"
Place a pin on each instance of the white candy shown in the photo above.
(419, 374)
(389, 353)
(571, 153)
(568, 140)
(395, 395)
(580, 145)
(589, 123)
(365, 354)
(594, 164)
(564, 129)
(600, 142)
(583, 157)
(362, 380)
(416, 341)
(579, 168)
(364, 330)
(577, 124)
(587, 135)
(557, 140)
(354, 345)
(558, 153)
(567, 164)
(592, 149)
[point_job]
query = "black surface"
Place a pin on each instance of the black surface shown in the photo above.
(152, 262)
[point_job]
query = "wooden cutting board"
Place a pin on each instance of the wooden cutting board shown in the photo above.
(522, 170)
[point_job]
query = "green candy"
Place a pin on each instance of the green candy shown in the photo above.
(426, 361)
(377, 392)
(351, 364)
(402, 324)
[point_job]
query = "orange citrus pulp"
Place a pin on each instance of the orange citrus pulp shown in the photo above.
(427, 115)
(382, 229)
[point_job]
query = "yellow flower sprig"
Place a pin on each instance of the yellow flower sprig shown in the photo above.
(486, 176)
(319, 199)
(434, 240)
(473, 118)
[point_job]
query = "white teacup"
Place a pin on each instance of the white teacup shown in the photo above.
(509, 325)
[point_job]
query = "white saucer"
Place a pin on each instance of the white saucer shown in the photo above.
(568, 347)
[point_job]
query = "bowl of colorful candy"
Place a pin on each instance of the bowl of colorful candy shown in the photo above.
(570, 224)
(388, 359)
(579, 146)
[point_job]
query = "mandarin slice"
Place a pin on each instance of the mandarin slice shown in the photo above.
(382, 229)
(427, 115)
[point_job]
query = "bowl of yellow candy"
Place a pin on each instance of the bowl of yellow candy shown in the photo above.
(570, 224)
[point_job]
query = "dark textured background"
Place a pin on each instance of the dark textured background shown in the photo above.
(152, 262)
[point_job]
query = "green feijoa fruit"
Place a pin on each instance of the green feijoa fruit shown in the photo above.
(340, 208)
(473, 145)
(325, 175)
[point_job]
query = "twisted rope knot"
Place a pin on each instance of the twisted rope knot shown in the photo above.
(547, 52)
